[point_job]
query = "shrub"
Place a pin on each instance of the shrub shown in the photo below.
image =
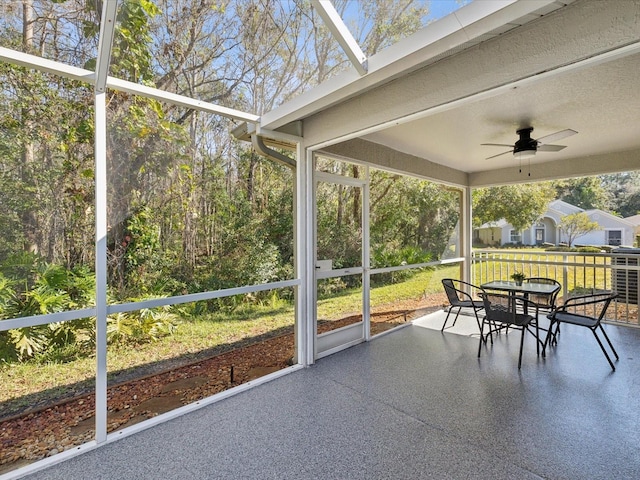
(559, 249)
(385, 257)
(53, 288)
(48, 288)
(143, 325)
(589, 249)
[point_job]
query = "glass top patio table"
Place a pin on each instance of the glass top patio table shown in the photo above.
(525, 288)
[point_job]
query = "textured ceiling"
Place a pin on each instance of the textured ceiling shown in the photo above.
(601, 103)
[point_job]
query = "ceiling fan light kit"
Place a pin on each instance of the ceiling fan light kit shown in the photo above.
(524, 154)
(526, 147)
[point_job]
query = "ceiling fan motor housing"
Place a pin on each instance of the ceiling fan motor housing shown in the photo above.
(525, 143)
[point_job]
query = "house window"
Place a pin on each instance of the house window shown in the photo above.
(614, 237)
(514, 236)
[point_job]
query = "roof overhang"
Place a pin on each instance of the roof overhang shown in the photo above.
(427, 112)
(468, 26)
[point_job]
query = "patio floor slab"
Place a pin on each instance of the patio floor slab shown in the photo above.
(414, 403)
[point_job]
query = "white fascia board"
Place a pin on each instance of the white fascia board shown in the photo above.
(80, 74)
(471, 21)
(341, 33)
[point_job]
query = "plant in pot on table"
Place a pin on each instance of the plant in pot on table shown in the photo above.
(518, 277)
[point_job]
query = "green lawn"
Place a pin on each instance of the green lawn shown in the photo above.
(202, 333)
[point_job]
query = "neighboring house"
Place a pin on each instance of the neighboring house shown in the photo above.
(613, 230)
(635, 221)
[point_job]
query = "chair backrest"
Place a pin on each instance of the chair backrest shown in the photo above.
(545, 300)
(592, 305)
(451, 291)
(455, 290)
(508, 308)
(498, 307)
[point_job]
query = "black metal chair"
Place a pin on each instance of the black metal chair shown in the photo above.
(545, 302)
(575, 311)
(459, 298)
(503, 312)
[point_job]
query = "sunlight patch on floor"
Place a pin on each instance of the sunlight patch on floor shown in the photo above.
(465, 325)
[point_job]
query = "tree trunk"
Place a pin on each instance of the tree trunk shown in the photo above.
(29, 220)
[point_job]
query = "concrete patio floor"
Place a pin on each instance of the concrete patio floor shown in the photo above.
(413, 403)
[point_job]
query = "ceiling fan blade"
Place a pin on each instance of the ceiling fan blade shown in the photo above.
(550, 148)
(503, 153)
(496, 145)
(556, 136)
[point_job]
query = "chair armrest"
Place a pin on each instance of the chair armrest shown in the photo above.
(589, 299)
(583, 301)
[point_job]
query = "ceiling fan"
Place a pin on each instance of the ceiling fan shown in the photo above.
(526, 147)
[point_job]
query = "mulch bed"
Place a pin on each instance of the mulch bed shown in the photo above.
(55, 427)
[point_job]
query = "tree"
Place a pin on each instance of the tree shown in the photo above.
(585, 192)
(411, 214)
(631, 206)
(520, 205)
(189, 207)
(623, 190)
(575, 225)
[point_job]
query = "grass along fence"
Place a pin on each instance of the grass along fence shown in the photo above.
(578, 273)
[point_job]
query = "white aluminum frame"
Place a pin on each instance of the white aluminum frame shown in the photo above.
(342, 34)
(42, 64)
(101, 265)
(107, 30)
(335, 340)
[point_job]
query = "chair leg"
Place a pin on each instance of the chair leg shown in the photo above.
(457, 315)
(609, 342)
(521, 345)
(547, 339)
(481, 336)
(475, 312)
(555, 334)
(603, 349)
(447, 319)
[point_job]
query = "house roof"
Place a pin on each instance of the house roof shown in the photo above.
(595, 213)
(559, 208)
(564, 208)
(498, 224)
(634, 220)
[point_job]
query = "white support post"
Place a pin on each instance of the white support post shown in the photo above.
(300, 261)
(101, 265)
(305, 256)
(366, 261)
(466, 233)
